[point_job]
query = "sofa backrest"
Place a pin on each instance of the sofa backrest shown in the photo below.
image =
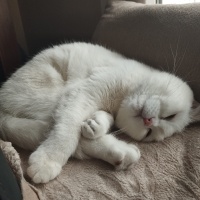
(166, 37)
(53, 22)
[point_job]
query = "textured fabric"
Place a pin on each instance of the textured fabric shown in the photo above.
(164, 36)
(28, 191)
(166, 170)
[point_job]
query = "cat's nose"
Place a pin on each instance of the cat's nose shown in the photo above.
(148, 121)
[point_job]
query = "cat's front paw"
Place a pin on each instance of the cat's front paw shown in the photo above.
(91, 129)
(42, 169)
(129, 154)
(154, 137)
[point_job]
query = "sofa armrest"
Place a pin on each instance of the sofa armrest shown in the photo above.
(166, 37)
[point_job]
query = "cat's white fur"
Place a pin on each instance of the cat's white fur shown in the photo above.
(83, 88)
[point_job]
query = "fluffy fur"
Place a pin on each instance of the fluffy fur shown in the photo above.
(80, 88)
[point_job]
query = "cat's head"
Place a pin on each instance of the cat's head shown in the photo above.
(158, 109)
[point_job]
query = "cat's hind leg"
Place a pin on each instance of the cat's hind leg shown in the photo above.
(23, 132)
(108, 148)
(96, 126)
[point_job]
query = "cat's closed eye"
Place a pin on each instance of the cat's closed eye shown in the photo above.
(169, 117)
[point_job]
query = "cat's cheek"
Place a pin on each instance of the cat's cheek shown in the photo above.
(156, 122)
(138, 135)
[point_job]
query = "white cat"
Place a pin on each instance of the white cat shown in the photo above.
(83, 88)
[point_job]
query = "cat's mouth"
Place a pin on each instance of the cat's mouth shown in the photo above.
(148, 133)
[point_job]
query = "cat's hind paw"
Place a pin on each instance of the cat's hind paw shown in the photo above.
(91, 129)
(129, 154)
(42, 169)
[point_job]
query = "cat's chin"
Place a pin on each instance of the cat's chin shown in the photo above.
(145, 134)
(138, 135)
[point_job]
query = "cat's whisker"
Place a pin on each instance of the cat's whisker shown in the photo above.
(177, 63)
(167, 64)
(175, 69)
(182, 58)
(118, 132)
(176, 66)
(189, 73)
(174, 60)
(168, 83)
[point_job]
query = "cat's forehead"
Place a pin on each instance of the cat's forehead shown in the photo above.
(172, 85)
(172, 105)
(179, 96)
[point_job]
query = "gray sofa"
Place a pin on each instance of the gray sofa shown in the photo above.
(165, 37)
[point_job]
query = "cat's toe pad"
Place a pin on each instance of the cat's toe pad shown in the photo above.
(91, 129)
(42, 169)
(130, 155)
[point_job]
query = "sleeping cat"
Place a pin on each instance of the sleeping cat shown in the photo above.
(63, 102)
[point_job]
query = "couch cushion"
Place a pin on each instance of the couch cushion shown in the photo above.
(166, 170)
(164, 36)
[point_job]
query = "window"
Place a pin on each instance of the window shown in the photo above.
(177, 1)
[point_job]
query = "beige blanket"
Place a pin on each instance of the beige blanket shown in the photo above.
(166, 170)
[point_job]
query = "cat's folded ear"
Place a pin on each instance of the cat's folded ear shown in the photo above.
(195, 112)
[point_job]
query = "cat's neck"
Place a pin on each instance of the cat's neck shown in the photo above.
(119, 85)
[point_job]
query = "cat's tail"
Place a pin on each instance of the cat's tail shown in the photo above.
(23, 132)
